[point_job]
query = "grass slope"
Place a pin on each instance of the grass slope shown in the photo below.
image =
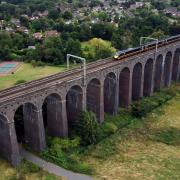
(23, 172)
(27, 72)
(147, 149)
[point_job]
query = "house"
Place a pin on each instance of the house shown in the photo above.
(23, 29)
(129, 14)
(136, 5)
(31, 47)
(43, 14)
(51, 33)
(9, 29)
(34, 18)
(172, 11)
(16, 22)
(38, 35)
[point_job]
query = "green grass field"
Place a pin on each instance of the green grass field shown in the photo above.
(27, 72)
(147, 149)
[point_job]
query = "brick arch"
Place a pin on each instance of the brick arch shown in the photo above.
(167, 69)
(158, 72)
(124, 79)
(74, 103)
(48, 93)
(52, 115)
(176, 62)
(110, 88)
(148, 70)
(93, 93)
(27, 119)
(136, 81)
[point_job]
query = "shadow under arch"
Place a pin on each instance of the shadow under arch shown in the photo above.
(29, 126)
(52, 115)
(148, 70)
(110, 89)
(74, 104)
(93, 93)
(124, 79)
(136, 82)
(176, 62)
(167, 69)
(158, 72)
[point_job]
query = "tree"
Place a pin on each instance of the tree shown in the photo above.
(67, 15)
(18, 41)
(103, 16)
(52, 51)
(42, 24)
(5, 45)
(87, 128)
(175, 3)
(53, 14)
(94, 3)
(85, 32)
(73, 47)
(174, 29)
(103, 31)
(158, 35)
(24, 21)
(160, 5)
(97, 48)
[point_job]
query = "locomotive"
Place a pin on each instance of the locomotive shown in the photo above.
(143, 48)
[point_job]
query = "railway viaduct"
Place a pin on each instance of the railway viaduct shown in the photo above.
(52, 103)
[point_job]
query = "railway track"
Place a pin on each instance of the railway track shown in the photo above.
(44, 83)
(48, 79)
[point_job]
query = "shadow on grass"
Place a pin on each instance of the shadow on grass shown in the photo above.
(170, 136)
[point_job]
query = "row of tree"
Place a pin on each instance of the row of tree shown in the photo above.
(144, 22)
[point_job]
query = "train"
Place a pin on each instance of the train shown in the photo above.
(143, 48)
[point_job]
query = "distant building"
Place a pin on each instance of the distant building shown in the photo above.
(51, 33)
(31, 47)
(129, 14)
(9, 29)
(23, 29)
(172, 11)
(136, 5)
(16, 22)
(43, 14)
(38, 35)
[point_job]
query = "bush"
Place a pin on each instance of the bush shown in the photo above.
(64, 152)
(146, 105)
(33, 63)
(109, 128)
(20, 82)
(13, 56)
(28, 167)
(33, 168)
(64, 144)
(87, 128)
(40, 63)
